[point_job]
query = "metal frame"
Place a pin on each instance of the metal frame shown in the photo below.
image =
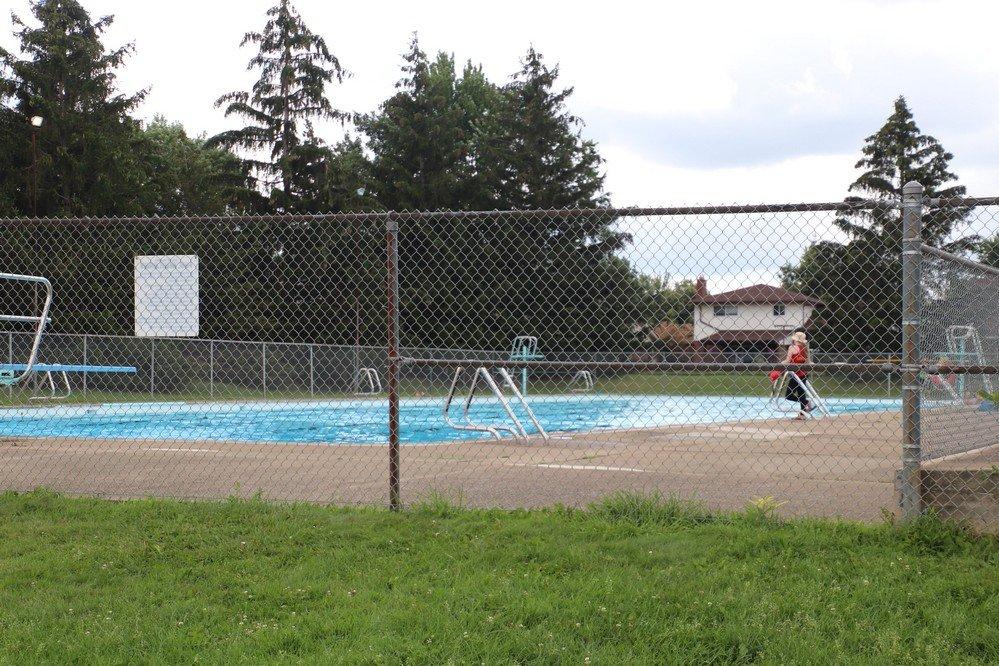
(585, 380)
(517, 431)
(957, 339)
(780, 386)
(374, 382)
(11, 378)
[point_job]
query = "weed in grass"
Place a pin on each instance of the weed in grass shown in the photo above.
(762, 509)
(439, 504)
(653, 509)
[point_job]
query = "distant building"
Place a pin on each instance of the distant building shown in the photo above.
(749, 323)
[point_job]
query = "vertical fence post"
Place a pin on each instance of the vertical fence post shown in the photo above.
(392, 330)
(10, 360)
(263, 366)
(912, 214)
(211, 369)
(152, 367)
(312, 371)
(86, 364)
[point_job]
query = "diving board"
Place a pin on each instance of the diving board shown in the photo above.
(59, 367)
(45, 372)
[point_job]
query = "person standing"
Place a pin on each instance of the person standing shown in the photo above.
(797, 354)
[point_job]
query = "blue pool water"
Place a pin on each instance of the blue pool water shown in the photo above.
(364, 421)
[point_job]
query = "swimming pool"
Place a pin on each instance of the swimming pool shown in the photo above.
(364, 421)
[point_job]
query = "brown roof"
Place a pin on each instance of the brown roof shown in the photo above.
(758, 294)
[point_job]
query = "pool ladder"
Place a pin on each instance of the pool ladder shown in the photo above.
(780, 386)
(517, 430)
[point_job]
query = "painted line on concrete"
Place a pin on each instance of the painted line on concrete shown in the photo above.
(183, 450)
(588, 468)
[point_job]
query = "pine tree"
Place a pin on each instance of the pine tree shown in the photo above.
(81, 161)
(894, 155)
(419, 137)
(547, 162)
(860, 280)
(295, 67)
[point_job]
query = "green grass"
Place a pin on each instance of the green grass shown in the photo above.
(742, 383)
(632, 580)
(697, 384)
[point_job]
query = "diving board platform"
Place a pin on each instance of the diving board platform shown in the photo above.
(59, 367)
(45, 372)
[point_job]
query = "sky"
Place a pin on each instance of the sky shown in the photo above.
(689, 102)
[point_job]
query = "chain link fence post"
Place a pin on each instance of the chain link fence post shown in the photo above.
(392, 330)
(912, 215)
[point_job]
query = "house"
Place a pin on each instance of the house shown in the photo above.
(749, 324)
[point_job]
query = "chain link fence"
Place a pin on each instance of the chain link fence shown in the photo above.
(726, 354)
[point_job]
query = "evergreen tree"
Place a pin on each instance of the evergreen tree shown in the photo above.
(894, 155)
(422, 139)
(295, 67)
(81, 160)
(988, 251)
(860, 280)
(547, 164)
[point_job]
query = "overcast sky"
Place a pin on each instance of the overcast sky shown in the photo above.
(690, 102)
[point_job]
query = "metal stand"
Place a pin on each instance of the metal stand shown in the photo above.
(517, 430)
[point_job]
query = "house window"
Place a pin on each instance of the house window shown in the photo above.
(780, 310)
(726, 310)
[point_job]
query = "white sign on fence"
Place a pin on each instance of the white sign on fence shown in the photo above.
(167, 296)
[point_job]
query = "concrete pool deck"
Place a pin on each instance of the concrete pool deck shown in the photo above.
(835, 466)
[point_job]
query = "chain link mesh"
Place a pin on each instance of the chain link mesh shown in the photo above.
(543, 357)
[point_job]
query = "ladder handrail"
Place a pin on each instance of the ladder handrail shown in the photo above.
(374, 382)
(41, 321)
(482, 373)
(466, 416)
(494, 387)
(586, 377)
(446, 412)
(505, 374)
(781, 384)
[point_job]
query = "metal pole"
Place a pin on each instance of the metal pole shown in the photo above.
(86, 363)
(392, 330)
(34, 171)
(10, 360)
(152, 367)
(211, 369)
(312, 371)
(263, 366)
(912, 214)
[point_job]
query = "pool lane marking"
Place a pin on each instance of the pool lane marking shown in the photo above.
(589, 468)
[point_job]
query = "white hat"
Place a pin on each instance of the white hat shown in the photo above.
(799, 336)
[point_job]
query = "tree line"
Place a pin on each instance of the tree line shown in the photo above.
(448, 138)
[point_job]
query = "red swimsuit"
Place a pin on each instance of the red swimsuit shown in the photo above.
(799, 356)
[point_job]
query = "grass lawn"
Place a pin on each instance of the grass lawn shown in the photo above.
(628, 581)
(706, 383)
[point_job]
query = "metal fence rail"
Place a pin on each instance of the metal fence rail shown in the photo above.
(679, 316)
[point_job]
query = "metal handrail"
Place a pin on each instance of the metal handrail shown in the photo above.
(41, 321)
(780, 385)
(374, 382)
(523, 403)
(585, 379)
(446, 412)
(518, 431)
